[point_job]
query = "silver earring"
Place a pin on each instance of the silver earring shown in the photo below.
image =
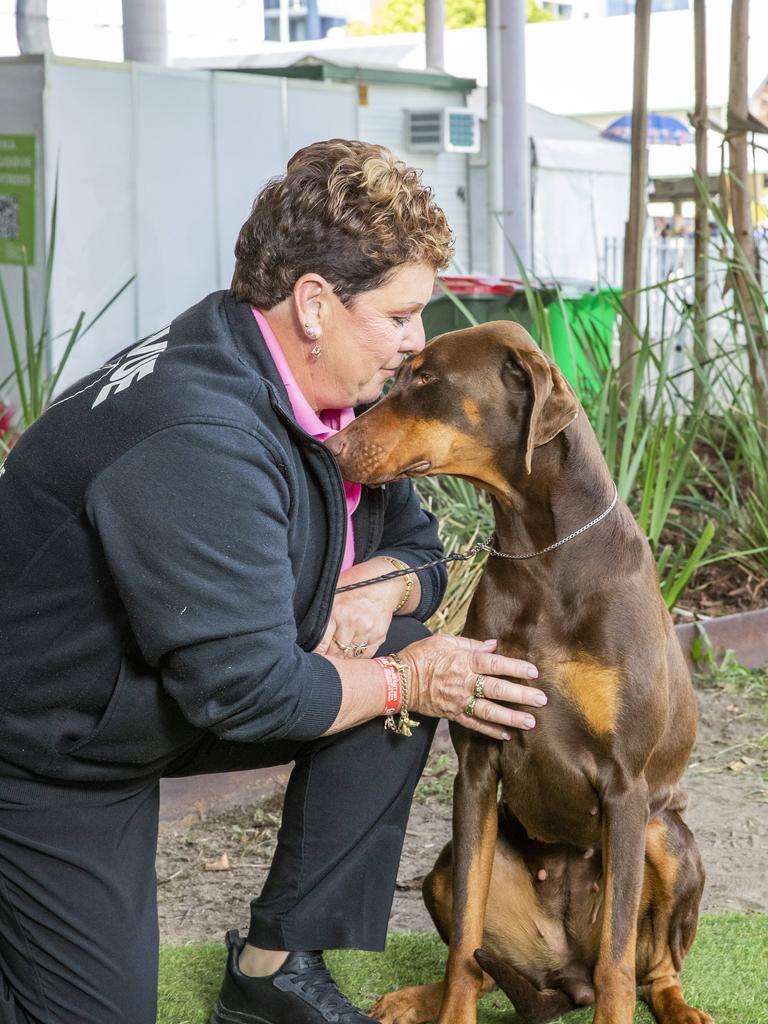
(310, 331)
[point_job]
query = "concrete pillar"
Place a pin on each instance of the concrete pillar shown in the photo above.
(494, 140)
(517, 148)
(285, 22)
(32, 32)
(434, 18)
(145, 31)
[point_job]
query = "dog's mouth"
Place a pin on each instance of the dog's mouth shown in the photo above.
(420, 468)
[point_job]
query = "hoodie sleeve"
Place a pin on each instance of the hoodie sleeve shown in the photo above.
(194, 524)
(410, 534)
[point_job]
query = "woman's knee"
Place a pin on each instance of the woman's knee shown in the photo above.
(403, 630)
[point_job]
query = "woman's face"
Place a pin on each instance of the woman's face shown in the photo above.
(364, 343)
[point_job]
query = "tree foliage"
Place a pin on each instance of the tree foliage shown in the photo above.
(408, 16)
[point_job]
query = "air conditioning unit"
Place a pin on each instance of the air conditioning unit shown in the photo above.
(442, 130)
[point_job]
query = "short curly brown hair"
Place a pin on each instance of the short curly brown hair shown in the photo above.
(345, 209)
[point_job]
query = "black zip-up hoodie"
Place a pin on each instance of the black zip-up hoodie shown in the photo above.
(170, 540)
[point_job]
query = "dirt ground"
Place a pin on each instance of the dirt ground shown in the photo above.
(209, 866)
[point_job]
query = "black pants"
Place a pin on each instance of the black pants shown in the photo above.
(78, 914)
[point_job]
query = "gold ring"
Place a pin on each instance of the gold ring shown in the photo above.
(344, 647)
(479, 686)
(469, 710)
(358, 650)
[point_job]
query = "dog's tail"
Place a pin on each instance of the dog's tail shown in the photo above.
(533, 1005)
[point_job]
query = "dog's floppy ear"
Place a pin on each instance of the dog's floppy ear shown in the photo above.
(554, 403)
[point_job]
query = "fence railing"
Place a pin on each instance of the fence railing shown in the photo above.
(668, 299)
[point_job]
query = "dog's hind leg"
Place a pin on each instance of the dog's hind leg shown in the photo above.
(674, 880)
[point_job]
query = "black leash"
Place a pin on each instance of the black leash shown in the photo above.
(456, 557)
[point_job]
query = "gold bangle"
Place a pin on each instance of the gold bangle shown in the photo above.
(408, 581)
(405, 724)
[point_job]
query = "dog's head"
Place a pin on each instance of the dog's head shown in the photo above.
(468, 404)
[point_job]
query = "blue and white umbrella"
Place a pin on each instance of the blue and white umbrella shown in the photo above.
(662, 130)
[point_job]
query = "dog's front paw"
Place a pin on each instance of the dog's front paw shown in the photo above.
(416, 1005)
(689, 1015)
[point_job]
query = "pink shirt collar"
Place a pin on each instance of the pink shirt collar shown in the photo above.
(328, 423)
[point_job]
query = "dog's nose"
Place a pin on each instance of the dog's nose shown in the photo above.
(336, 444)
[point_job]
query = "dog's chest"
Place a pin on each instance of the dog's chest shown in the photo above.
(550, 795)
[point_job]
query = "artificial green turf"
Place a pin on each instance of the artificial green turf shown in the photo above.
(725, 974)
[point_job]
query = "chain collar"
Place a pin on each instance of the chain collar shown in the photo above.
(486, 544)
(487, 547)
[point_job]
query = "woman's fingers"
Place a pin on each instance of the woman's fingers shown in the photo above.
(507, 692)
(496, 732)
(507, 718)
(499, 665)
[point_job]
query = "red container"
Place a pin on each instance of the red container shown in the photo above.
(478, 284)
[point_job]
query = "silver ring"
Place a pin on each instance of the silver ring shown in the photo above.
(469, 710)
(479, 686)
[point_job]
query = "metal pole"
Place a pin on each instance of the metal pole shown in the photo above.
(32, 26)
(494, 140)
(145, 31)
(434, 23)
(516, 147)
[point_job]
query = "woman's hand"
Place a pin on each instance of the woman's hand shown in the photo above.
(362, 616)
(443, 673)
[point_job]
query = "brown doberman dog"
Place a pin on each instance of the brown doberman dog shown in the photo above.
(582, 880)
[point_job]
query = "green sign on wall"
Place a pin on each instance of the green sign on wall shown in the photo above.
(17, 198)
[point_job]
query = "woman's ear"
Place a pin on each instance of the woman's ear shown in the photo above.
(309, 304)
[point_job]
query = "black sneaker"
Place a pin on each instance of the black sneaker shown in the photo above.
(302, 991)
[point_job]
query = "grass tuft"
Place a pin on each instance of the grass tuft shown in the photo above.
(725, 974)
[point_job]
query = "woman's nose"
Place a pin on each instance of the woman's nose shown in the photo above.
(415, 339)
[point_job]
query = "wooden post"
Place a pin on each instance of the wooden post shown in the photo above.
(633, 237)
(701, 237)
(738, 114)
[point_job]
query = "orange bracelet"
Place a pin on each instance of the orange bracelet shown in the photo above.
(392, 679)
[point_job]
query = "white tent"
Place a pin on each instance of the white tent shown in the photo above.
(579, 196)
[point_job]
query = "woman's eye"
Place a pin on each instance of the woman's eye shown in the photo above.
(401, 321)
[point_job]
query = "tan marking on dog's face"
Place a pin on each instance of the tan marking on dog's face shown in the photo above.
(471, 411)
(382, 446)
(594, 689)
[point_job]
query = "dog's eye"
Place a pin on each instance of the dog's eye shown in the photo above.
(426, 378)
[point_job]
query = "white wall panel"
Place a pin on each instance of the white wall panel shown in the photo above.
(320, 111)
(175, 209)
(249, 148)
(21, 113)
(88, 118)
(382, 121)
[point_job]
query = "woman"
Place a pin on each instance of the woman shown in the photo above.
(171, 536)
